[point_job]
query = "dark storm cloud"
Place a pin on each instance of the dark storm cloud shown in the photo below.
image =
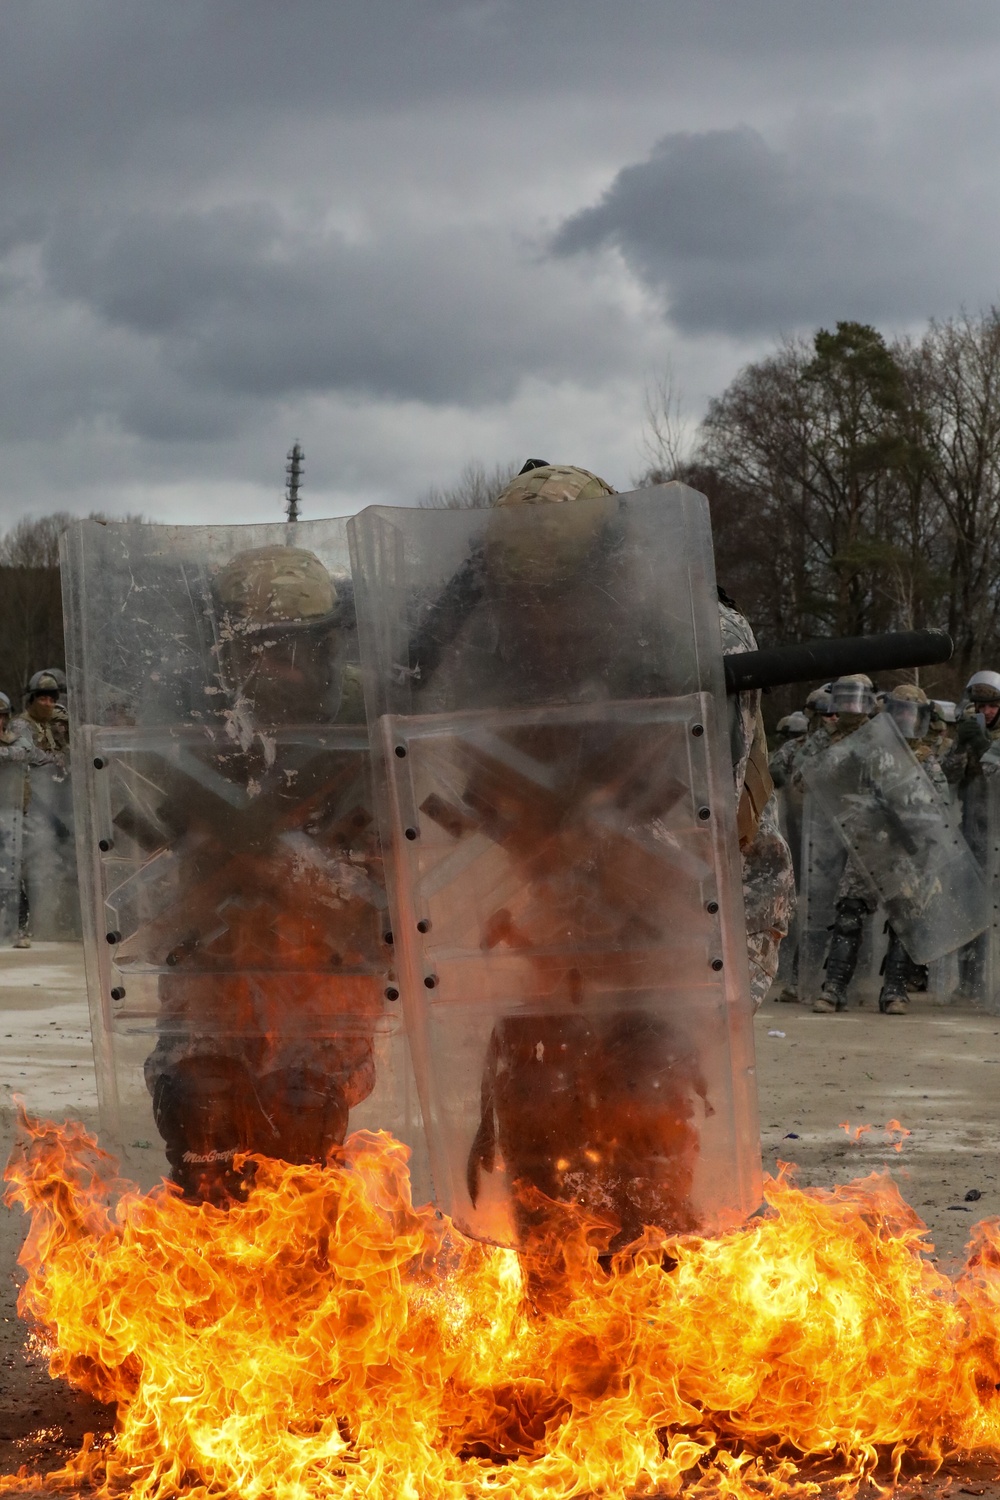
(743, 239)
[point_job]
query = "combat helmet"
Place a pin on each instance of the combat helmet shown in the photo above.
(5, 708)
(42, 682)
(983, 687)
(278, 614)
(287, 587)
(556, 544)
(910, 709)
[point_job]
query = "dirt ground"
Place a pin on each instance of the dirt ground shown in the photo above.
(931, 1070)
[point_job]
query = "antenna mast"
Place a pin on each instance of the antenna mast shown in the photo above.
(293, 471)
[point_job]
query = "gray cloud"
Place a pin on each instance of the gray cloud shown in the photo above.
(237, 302)
(230, 222)
(742, 239)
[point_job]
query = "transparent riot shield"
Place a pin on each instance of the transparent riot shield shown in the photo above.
(239, 954)
(981, 962)
(822, 861)
(789, 806)
(12, 795)
(900, 834)
(557, 793)
(50, 872)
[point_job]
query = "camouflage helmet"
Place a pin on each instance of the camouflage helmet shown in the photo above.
(552, 545)
(819, 699)
(4, 706)
(59, 675)
(909, 707)
(983, 687)
(558, 482)
(285, 586)
(853, 694)
(42, 682)
(795, 723)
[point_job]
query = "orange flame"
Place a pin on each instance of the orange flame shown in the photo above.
(327, 1339)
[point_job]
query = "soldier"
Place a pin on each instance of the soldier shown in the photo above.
(856, 901)
(792, 732)
(33, 737)
(263, 1041)
(43, 719)
(819, 709)
(853, 702)
(584, 1102)
(977, 731)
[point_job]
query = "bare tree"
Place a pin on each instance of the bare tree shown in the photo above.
(666, 444)
(475, 489)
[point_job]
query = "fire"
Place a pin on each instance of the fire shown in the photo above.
(326, 1338)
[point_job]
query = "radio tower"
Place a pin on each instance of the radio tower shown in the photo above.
(293, 470)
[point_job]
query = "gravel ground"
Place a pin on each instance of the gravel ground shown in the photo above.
(931, 1070)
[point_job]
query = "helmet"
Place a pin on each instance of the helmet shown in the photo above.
(943, 709)
(820, 702)
(43, 682)
(552, 482)
(4, 704)
(279, 616)
(853, 695)
(284, 586)
(983, 687)
(59, 675)
(796, 723)
(555, 544)
(909, 707)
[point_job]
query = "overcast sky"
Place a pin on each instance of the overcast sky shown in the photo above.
(411, 233)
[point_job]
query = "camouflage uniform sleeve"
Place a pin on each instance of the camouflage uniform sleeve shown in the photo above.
(768, 880)
(955, 764)
(769, 899)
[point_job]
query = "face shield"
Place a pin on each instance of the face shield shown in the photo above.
(852, 697)
(912, 719)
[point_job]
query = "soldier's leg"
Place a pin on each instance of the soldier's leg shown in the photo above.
(206, 1110)
(23, 937)
(842, 957)
(897, 970)
(306, 1096)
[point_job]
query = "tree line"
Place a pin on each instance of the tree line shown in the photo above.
(31, 614)
(854, 485)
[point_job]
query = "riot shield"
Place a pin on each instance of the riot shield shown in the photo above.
(12, 794)
(557, 794)
(50, 872)
(822, 863)
(789, 805)
(239, 953)
(900, 835)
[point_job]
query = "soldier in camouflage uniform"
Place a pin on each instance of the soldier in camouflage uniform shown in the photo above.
(261, 1047)
(792, 732)
(620, 1083)
(976, 733)
(855, 902)
(43, 719)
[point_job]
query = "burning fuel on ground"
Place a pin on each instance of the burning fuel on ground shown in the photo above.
(326, 1338)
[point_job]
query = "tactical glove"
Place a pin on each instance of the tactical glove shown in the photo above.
(971, 735)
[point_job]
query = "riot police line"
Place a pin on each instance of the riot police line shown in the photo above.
(451, 823)
(891, 805)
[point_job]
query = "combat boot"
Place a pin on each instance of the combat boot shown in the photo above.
(896, 970)
(842, 959)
